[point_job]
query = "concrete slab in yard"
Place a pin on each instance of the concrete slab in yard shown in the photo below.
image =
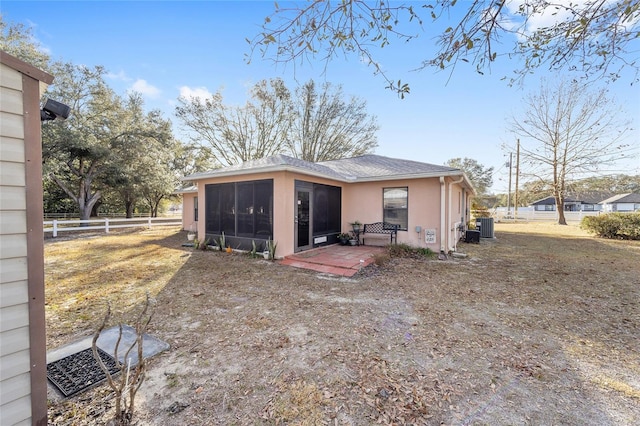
(107, 342)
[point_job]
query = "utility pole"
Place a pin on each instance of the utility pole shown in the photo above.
(515, 201)
(509, 193)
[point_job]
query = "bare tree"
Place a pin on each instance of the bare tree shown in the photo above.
(131, 376)
(592, 37)
(315, 126)
(567, 132)
(236, 134)
(327, 127)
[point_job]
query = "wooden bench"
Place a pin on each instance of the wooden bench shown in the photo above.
(380, 228)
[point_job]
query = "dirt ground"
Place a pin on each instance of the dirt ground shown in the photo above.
(540, 325)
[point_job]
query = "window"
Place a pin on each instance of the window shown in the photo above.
(396, 206)
(195, 209)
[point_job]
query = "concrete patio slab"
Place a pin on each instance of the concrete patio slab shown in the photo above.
(335, 259)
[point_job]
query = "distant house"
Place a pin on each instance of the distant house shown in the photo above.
(303, 205)
(588, 202)
(23, 374)
(622, 203)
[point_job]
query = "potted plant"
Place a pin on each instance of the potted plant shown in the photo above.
(191, 235)
(344, 238)
(356, 225)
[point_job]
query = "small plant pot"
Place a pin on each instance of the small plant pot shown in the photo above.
(266, 255)
(353, 242)
(191, 237)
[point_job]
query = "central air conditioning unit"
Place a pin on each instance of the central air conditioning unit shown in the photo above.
(471, 236)
(485, 226)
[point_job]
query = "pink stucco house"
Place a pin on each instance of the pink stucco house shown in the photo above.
(303, 205)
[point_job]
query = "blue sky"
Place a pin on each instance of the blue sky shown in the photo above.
(163, 49)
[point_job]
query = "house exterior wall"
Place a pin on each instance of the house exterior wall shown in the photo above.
(23, 383)
(620, 207)
(549, 205)
(284, 197)
(282, 194)
(425, 206)
(456, 214)
(188, 211)
(283, 203)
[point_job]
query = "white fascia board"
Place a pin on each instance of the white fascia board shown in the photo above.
(268, 169)
(417, 176)
(345, 179)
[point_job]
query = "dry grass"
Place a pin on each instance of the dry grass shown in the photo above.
(539, 326)
(85, 273)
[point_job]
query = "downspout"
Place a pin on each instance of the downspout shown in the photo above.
(449, 217)
(443, 213)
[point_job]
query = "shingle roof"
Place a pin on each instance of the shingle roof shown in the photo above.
(376, 166)
(593, 197)
(546, 201)
(623, 198)
(266, 164)
(365, 167)
(186, 189)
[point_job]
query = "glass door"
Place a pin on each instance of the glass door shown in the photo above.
(303, 219)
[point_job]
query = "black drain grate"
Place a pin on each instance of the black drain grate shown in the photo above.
(78, 372)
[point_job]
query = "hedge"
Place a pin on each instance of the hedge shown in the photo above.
(620, 226)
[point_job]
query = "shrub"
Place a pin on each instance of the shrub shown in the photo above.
(623, 226)
(425, 251)
(483, 212)
(381, 259)
(405, 250)
(631, 227)
(201, 244)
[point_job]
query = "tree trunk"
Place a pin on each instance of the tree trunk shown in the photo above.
(85, 210)
(96, 207)
(84, 199)
(561, 218)
(560, 208)
(129, 207)
(156, 205)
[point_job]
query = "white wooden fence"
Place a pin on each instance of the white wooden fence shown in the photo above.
(107, 224)
(533, 215)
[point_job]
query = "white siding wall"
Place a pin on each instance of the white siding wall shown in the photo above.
(15, 404)
(624, 207)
